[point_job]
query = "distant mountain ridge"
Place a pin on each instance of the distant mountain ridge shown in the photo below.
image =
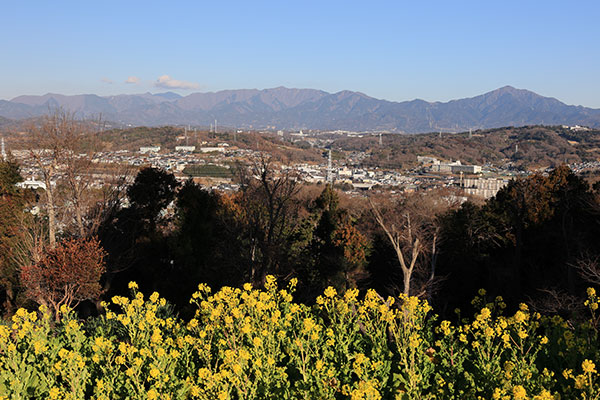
(285, 108)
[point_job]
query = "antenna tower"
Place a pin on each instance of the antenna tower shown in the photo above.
(329, 177)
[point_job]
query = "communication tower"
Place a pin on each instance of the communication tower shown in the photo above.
(329, 176)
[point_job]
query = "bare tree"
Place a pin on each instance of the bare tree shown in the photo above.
(63, 149)
(46, 150)
(588, 267)
(412, 229)
(400, 232)
(32, 240)
(269, 200)
(103, 202)
(554, 301)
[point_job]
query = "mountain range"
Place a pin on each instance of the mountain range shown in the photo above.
(293, 109)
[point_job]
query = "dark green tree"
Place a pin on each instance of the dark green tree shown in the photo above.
(151, 192)
(523, 242)
(11, 216)
(135, 237)
(204, 246)
(335, 249)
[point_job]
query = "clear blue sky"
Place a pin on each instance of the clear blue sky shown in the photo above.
(396, 50)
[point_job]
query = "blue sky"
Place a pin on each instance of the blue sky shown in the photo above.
(396, 50)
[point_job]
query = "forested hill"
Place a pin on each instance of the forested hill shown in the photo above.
(285, 108)
(524, 147)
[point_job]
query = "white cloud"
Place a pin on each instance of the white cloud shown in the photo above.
(107, 80)
(133, 79)
(167, 82)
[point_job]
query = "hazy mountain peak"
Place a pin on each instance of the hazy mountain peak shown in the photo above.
(168, 95)
(507, 88)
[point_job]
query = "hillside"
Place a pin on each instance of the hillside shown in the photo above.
(293, 109)
(5, 121)
(536, 146)
(168, 137)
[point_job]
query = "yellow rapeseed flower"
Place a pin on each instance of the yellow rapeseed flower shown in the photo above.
(519, 392)
(588, 366)
(152, 394)
(520, 317)
(580, 381)
(54, 392)
(522, 334)
(544, 395)
(330, 292)
(485, 313)
(237, 369)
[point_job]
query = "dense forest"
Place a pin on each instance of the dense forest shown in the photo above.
(534, 242)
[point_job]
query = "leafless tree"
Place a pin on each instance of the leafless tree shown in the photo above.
(403, 238)
(63, 149)
(269, 200)
(46, 150)
(32, 240)
(104, 201)
(412, 229)
(588, 267)
(555, 301)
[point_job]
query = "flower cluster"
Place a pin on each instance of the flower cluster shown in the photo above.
(247, 343)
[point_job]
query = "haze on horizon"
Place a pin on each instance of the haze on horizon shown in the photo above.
(389, 50)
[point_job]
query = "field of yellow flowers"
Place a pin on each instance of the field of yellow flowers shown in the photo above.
(258, 344)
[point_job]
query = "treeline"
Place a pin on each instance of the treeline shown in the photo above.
(527, 147)
(169, 136)
(535, 242)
